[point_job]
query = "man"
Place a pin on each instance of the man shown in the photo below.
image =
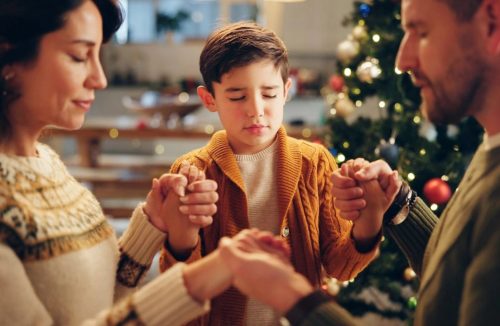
(451, 48)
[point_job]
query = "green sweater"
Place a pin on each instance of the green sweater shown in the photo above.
(457, 258)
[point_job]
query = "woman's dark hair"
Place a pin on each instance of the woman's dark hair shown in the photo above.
(22, 26)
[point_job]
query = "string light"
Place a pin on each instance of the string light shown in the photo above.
(347, 72)
(209, 129)
(397, 71)
(434, 207)
(333, 111)
(398, 108)
(381, 104)
(114, 133)
(358, 103)
(417, 119)
(340, 158)
(376, 38)
(445, 178)
(423, 152)
(411, 176)
(346, 144)
(356, 91)
(159, 149)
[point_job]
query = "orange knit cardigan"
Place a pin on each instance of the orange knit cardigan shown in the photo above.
(317, 236)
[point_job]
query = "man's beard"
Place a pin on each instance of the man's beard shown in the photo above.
(459, 93)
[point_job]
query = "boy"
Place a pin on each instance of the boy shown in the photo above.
(266, 179)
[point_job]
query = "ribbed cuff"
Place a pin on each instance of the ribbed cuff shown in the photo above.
(167, 259)
(166, 301)
(413, 234)
(353, 261)
(141, 241)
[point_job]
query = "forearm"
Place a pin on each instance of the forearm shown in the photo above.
(413, 234)
(207, 278)
(182, 244)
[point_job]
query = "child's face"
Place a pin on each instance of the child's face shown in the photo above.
(250, 102)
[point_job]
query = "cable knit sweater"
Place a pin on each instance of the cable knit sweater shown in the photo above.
(307, 217)
(60, 262)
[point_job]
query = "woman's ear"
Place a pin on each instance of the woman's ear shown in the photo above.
(206, 98)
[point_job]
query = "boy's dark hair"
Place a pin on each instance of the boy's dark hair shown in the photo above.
(237, 45)
(24, 23)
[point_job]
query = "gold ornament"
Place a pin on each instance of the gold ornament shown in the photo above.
(409, 274)
(359, 33)
(347, 50)
(368, 70)
(343, 106)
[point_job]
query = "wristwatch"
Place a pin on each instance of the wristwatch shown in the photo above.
(405, 208)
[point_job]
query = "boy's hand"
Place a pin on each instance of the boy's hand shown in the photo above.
(363, 194)
(173, 200)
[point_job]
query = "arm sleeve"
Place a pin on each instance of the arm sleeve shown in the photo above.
(163, 301)
(318, 309)
(413, 234)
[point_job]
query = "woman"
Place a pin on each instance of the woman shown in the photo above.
(60, 262)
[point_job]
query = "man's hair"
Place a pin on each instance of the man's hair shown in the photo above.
(464, 9)
(238, 45)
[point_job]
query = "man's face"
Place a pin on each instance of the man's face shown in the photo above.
(444, 58)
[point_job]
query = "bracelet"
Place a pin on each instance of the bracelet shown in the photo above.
(401, 200)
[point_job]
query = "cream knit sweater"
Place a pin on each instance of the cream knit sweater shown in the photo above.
(60, 262)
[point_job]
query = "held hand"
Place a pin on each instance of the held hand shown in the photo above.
(261, 271)
(350, 197)
(155, 207)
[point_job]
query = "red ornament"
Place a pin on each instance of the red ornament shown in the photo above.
(337, 83)
(141, 124)
(437, 191)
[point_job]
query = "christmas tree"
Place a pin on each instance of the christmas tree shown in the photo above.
(432, 159)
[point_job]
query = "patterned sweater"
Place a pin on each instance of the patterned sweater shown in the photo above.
(308, 220)
(60, 262)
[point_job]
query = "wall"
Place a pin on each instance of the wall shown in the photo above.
(311, 30)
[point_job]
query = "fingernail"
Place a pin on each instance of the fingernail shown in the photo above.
(181, 191)
(183, 209)
(183, 199)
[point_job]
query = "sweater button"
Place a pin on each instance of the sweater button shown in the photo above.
(285, 232)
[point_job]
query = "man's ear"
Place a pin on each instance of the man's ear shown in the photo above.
(492, 12)
(206, 98)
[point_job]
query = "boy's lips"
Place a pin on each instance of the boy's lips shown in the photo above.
(255, 128)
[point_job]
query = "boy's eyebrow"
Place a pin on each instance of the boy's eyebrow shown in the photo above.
(234, 89)
(240, 89)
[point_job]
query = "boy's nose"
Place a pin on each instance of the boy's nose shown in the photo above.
(255, 108)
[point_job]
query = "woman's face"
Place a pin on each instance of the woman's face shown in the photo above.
(58, 87)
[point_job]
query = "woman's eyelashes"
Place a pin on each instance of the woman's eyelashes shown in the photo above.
(77, 58)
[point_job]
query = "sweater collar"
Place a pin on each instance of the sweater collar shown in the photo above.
(289, 164)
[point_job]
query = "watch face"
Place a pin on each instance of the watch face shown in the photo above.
(401, 216)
